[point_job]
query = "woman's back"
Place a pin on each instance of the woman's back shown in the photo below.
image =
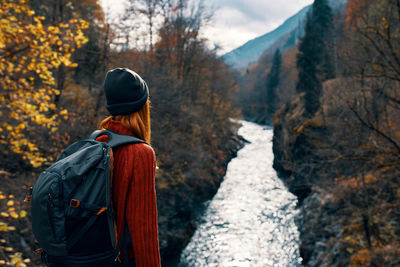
(134, 197)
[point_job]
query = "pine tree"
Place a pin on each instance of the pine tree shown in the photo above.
(273, 80)
(323, 24)
(314, 59)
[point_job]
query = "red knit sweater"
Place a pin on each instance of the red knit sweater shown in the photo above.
(134, 196)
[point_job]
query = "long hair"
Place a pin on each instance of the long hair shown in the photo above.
(138, 122)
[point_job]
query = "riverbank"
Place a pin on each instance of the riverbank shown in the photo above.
(300, 146)
(346, 202)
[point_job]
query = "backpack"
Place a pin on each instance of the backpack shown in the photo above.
(71, 204)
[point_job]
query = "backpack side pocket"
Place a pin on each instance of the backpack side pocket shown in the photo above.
(48, 217)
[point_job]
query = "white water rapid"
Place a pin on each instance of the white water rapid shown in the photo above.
(250, 221)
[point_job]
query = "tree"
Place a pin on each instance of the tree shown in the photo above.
(273, 79)
(314, 58)
(139, 11)
(89, 56)
(30, 53)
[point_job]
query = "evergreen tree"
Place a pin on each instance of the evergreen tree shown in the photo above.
(273, 82)
(323, 28)
(314, 59)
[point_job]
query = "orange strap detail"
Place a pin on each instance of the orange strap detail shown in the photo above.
(74, 203)
(101, 210)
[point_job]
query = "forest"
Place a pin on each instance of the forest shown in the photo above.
(333, 97)
(54, 57)
(332, 94)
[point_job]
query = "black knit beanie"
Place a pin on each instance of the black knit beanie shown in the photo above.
(126, 92)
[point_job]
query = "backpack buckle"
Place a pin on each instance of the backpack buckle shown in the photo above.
(74, 203)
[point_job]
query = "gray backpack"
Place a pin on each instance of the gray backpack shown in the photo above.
(72, 214)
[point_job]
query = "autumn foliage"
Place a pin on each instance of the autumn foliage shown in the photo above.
(354, 11)
(53, 59)
(343, 162)
(30, 52)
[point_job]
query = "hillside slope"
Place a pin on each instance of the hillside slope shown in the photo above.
(249, 53)
(291, 30)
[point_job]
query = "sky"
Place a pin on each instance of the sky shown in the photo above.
(236, 21)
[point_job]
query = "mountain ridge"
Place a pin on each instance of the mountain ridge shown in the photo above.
(247, 54)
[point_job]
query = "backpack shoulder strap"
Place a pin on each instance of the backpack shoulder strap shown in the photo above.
(116, 139)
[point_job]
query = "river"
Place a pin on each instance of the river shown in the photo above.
(251, 219)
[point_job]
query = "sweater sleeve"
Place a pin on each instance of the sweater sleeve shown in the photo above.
(141, 208)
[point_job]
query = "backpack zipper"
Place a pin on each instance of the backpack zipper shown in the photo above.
(50, 212)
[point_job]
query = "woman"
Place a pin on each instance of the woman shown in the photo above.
(133, 172)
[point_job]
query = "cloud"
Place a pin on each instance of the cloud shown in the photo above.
(237, 21)
(232, 27)
(262, 10)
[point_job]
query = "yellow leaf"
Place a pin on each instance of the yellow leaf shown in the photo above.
(3, 227)
(4, 214)
(300, 129)
(22, 214)
(10, 202)
(14, 215)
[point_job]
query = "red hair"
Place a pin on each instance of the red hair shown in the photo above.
(138, 122)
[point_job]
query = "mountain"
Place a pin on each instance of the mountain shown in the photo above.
(288, 33)
(249, 53)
